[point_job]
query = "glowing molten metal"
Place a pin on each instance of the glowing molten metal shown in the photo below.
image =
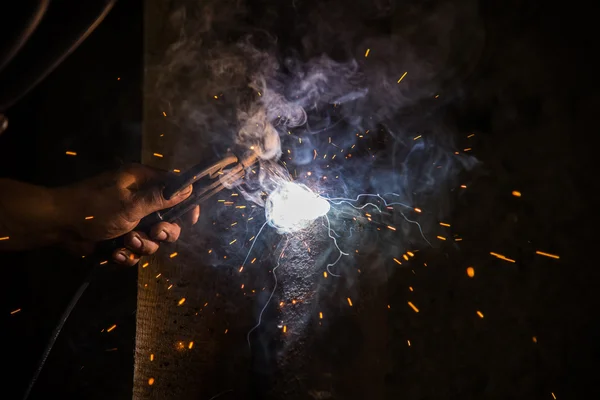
(293, 206)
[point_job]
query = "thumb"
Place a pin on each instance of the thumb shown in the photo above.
(150, 200)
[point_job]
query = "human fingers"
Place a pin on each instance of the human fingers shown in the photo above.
(192, 216)
(140, 243)
(165, 232)
(150, 200)
(125, 256)
(146, 185)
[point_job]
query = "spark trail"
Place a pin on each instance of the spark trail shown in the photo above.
(340, 200)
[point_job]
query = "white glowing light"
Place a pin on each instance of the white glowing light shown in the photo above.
(293, 206)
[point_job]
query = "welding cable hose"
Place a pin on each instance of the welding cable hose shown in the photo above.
(103, 251)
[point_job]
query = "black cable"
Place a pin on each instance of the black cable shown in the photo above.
(16, 89)
(58, 329)
(25, 34)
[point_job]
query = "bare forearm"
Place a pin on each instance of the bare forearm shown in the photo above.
(29, 216)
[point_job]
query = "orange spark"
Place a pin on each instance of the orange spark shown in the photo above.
(5, 238)
(170, 286)
(158, 276)
(145, 264)
(541, 253)
(463, 186)
(241, 268)
(405, 257)
(471, 272)
(70, 153)
(112, 328)
(500, 256)
(177, 171)
(480, 314)
(325, 274)
(15, 311)
(158, 155)
(408, 341)
(103, 262)
(173, 255)
(410, 253)
(284, 328)
(397, 261)
(516, 193)
(413, 307)
(252, 262)
(233, 241)
(391, 227)
(417, 137)
(402, 77)
(418, 210)
(367, 53)
(151, 381)
(320, 315)
(151, 357)
(164, 114)
(553, 396)
(534, 339)
(441, 237)
(190, 345)
(444, 224)
(349, 302)
(180, 302)
(389, 306)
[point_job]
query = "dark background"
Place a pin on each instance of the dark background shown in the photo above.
(81, 107)
(533, 104)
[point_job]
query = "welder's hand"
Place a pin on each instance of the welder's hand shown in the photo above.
(112, 204)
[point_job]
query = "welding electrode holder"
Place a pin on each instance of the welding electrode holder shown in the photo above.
(229, 172)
